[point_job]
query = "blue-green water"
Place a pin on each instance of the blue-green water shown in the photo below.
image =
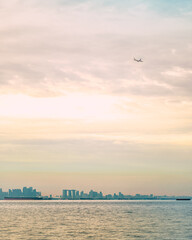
(31, 220)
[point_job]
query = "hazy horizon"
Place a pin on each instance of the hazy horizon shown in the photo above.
(76, 110)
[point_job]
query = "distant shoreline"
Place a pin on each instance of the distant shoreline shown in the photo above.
(89, 199)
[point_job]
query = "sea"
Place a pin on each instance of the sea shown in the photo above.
(102, 220)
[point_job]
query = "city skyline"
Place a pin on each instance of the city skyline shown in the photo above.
(77, 110)
(72, 194)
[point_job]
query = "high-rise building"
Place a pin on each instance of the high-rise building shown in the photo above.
(69, 194)
(100, 195)
(15, 193)
(93, 194)
(73, 194)
(30, 192)
(115, 196)
(64, 194)
(121, 195)
(3, 194)
(77, 195)
(82, 194)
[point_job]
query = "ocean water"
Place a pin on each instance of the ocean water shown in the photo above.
(102, 220)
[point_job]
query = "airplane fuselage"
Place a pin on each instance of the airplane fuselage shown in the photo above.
(138, 60)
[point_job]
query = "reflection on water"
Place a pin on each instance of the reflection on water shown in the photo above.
(118, 220)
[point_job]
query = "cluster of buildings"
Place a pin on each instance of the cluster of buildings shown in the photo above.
(75, 194)
(71, 194)
(25, 193)
(68, 194)
(92, 195)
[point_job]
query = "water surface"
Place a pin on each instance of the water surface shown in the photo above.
(31, 220)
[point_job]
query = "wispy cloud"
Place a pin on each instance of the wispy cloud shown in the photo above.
(52, 47)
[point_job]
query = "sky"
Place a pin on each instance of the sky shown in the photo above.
(77, 112)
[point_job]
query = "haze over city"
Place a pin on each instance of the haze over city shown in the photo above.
(76, 110)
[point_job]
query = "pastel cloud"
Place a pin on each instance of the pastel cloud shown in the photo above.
(54, 47)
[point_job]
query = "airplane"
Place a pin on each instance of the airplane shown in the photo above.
(138, 60)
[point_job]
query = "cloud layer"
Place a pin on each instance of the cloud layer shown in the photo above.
(54, 47)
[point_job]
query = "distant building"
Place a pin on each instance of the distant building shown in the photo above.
(115, 196)
(100, 195)
(64, 194)
(27, 192)
(77, 195)
(3, 194)
(109, 196)
(30, 192)
(82, 194)
(15, 193)
(69, 194)
(121, 195)
(73, 194)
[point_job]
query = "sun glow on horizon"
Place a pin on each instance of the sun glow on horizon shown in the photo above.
(71, 106)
